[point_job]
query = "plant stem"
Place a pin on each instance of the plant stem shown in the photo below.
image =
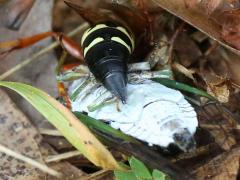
(40, 53)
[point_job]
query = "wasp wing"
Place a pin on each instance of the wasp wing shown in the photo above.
(90, 14)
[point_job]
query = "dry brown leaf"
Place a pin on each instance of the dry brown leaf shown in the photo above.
(197, 18)
(220, 91)
(187, 49)
(216, 86)
(223, 167)
(230, 24)
(223, 138)
(233, 64)
(219, 123)
(210, 5)
(19, 135)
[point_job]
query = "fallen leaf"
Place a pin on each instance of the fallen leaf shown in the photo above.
(197, 18)
(223, 167)
(18, 134)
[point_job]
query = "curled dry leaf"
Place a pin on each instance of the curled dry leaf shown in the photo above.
(217, 87)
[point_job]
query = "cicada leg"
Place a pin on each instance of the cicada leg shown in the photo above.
(67, 43)
(63, 94)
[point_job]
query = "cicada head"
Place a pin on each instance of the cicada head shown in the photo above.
(184, 140)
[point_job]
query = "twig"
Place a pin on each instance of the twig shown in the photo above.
(97, 175)
(39, 53)
(172, 41)
(63, 156)
(28, 160)
(50, 132)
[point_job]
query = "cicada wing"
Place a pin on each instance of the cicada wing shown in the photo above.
(14, 12)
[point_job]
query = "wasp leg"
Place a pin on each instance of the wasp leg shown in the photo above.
(68, 44)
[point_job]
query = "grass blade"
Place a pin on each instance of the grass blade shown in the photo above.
(184, 87)
(69, 125)
(98, 125)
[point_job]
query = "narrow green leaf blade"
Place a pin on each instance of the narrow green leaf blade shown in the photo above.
(184, 87)
(64, 120)
(139, 169)
(96, 124)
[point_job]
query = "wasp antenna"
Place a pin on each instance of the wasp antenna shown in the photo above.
(116, 83)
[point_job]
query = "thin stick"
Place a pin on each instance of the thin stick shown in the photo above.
(63, 156)
(97, 174)
(50, 132)
(30, 161)
(39, 53)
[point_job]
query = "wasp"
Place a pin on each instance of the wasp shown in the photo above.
(115, 34)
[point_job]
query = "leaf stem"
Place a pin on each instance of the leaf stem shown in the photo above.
(39, 53)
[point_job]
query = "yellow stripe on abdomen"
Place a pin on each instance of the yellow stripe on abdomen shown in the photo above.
(119, 40)
(91, 30)
(93, 43)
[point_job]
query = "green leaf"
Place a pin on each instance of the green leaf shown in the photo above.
(184, 87)
(64, 120)
(139, 169)
(96, 124)
(158, 175)
(120, 175)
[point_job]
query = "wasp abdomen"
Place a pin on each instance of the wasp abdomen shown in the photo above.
(107, 48)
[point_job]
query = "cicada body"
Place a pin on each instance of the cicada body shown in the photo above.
(153, 113)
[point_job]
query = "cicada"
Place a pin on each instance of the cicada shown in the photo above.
(153, 113)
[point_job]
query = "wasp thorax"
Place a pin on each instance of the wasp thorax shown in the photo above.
(107, 48)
